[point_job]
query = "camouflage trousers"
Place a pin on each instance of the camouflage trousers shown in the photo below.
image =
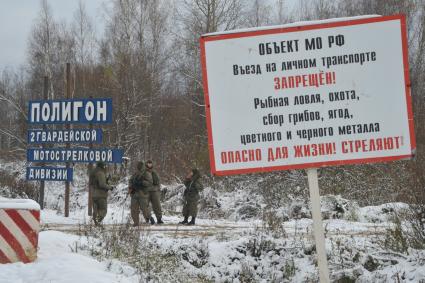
(139, 201)
(100, 208)
(190, 207)
(155, 200)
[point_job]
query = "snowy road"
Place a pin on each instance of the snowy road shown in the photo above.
(301, 228)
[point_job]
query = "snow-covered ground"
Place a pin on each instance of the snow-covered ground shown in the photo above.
(219, 254)
(235, 240)
(58, 262)
(221, 250)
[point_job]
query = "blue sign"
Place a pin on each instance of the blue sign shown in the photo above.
(49, 174)
(64, 136)
(74, 155)
(70, 111)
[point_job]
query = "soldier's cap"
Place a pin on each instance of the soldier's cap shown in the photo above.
(101, 164)
(140, 165)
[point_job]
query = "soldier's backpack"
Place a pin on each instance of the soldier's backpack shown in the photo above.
(136, 181)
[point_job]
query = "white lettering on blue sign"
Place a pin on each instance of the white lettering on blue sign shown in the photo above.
(97, 110)
(74, 155)
(65, 136)
(49, 174)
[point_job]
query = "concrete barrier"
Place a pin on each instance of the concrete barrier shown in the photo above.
(19, 228)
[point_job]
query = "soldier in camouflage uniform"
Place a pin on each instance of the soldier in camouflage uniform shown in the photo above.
(98, 182)
(154, 191)
(191, 196)
(138, 190)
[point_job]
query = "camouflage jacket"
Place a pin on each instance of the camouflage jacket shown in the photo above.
(193, 187)
(98, 182)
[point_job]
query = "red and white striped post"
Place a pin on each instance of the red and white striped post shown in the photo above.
(19, 228)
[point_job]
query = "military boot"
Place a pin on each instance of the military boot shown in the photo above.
(159, 221)
(97, 221)
(152, 220)
(192, 221)
(185, 220)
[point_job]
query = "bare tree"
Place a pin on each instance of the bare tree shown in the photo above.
(83, 33)
(12, 111)
(282, 13)
(259, 14)
(148, 62)
(42, 44)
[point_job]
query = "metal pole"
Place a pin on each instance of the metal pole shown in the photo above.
(68, 126)
(90, 189)
(45, 97)
(90, 193)
(319, 234)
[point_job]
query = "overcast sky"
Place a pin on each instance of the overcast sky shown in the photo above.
(17, 17)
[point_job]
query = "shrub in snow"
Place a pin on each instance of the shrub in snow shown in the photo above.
(195, 253)
(209, 206)
(11, 186)
(298, 210)
(336, 207)
(370, 264)
(346, 276)
(249, 210)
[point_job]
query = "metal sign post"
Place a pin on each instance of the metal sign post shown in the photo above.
(68, 126)
(89, 186)
(319, 234)
(42, 184)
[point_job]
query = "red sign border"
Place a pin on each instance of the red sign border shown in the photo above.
(204, 39)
